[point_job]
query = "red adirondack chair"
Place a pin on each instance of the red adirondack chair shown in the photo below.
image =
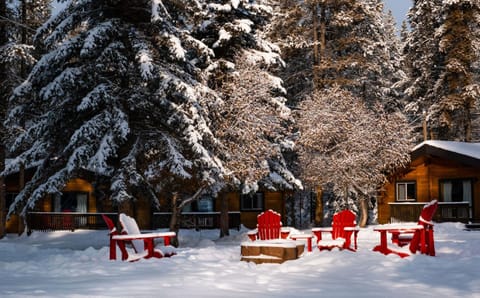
(142, 244)
(413, 237)
(343, 226)
(112, 231)
(268, 226)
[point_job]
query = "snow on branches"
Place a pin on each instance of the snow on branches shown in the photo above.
(348, 145)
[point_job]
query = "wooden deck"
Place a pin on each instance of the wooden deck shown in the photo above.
(446, 212)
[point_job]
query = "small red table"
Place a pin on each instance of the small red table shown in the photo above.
(307, 237)
(383, 247)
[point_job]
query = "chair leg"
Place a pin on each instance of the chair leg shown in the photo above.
(113, 249)
(431, 243)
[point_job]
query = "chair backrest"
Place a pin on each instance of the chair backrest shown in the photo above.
(111, 227)
(269, 225)
(130, 226)
(427, 213)
(425, 219)
(342, 219)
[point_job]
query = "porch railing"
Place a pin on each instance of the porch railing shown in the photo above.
(446, 211)
(58, 221)
(196, 220)
(63, 221)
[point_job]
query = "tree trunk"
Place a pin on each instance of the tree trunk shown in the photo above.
(319, 207)
(224, 222)
(363, 212)
(21, 216)
(468, 124)
(174, 222)
(315, 43)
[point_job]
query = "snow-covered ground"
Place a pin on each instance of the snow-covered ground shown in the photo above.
(75, 264)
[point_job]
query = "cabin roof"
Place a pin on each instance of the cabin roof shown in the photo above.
(462, 152)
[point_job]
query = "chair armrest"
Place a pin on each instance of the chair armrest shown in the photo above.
(322, 230)
(426, 221)
(354, 229)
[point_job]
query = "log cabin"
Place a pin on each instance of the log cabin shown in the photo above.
(447, 171)
(83, 201)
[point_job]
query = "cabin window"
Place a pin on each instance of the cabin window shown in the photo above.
(203, 204)
(251, 202)
(71, 202)
(406, 191)
(9, 199)
(456, 190)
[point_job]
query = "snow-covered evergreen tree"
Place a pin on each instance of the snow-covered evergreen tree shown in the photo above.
(292, 29)
(234, 29)
(132, 96)
(457, 88)
(349, 147)
(353, 51)
(19, 19)
(119, 94)
(421, 57)
(442, 49)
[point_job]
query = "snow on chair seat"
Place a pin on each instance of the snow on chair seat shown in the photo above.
(329, 244)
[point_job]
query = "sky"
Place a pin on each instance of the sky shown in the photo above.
(399, 9)
(76, 265)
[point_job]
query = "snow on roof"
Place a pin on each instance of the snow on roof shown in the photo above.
(467, 149)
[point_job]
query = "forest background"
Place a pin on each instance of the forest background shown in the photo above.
(179, 99)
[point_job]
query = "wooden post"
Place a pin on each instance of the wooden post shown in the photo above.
(21, 184)
(224, 226)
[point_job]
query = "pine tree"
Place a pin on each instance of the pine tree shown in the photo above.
(292, 29)
(235, 31)
(422, 59)
(132, 97)
(19, 21)
(456, 89)
(352, 48)
(118, 93)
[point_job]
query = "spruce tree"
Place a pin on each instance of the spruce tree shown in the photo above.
(118, 94)
(456, 89)
(422, 58)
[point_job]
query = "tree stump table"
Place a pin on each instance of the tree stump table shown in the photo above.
(271, 251)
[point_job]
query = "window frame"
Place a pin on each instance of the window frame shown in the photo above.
(258, 197)
(441, 195)
(406, 183)
(76, 198)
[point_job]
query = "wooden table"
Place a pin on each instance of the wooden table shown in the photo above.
(307, 237)
(383, 247)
